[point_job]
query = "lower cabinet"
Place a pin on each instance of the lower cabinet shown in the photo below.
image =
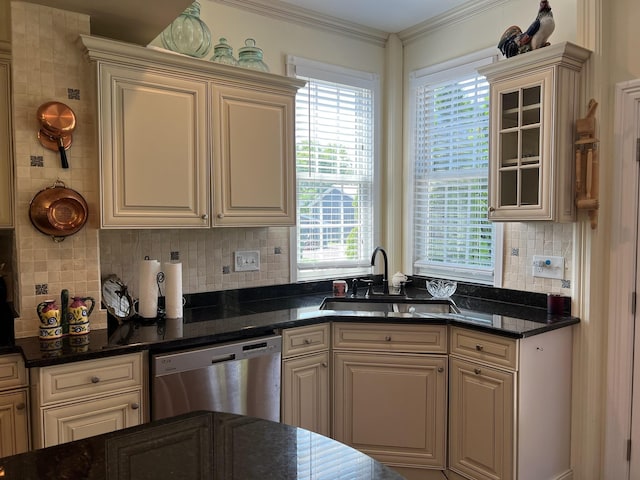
(82, 399)
(14, 411)
(390, 392)
(305, 378)
(510, 406)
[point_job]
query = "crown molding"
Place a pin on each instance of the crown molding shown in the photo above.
(301, 16)
(448, 18)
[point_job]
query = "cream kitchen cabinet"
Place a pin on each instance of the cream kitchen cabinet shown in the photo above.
(77, 400)
(305, 378)
(510, 405)
(6, 141)
(181, 138)
(14, 411)
(390, 393)
(534, 102)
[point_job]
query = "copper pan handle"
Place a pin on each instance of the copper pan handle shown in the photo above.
(63, 153)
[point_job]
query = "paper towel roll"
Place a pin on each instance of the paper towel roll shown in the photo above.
(173, 289)
(148, 288)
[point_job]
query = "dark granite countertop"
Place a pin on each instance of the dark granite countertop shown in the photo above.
(243, 314)
(199, 445)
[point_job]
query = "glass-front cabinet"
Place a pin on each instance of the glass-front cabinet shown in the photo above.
(534, 103)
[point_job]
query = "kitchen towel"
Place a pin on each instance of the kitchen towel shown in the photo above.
(173, 289)
(148, 288)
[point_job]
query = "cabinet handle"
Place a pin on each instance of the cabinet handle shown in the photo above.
(324, 364)
(204, 216)
(135, 406)
(95, 379)
(477, 371)
(388, 338)
(307, 341)
(479, 347)
(20, 406)
(440, 369)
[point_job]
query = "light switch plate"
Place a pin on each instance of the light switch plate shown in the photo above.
(246, 260)
(548, 267)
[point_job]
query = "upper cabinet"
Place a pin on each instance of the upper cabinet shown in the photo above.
(535, 100)
(188, 143)
(6, 152)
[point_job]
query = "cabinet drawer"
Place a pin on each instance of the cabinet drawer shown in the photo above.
(296, 341)
(89, 377)
(390, 337)
(500, 351)
(12, 371)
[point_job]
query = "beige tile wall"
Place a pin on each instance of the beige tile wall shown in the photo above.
(48, 65)
(204, 254)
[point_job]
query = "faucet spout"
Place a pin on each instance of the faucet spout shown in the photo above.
(385, 281)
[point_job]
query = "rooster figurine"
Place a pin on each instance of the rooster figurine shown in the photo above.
(514, 41)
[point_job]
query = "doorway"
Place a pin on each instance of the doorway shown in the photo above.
(622, 442)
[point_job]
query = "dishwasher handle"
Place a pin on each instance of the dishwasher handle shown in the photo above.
(223, 358)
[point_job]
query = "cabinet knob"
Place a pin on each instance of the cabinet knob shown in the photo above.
(95, 379)
(135, 406)
(440, 369)
(492, 209)
(307, 341)
(388, 338)
(204, 216)
(324, 364)
(21, 406)
(479, 347)
(221, 215)
(477, 371)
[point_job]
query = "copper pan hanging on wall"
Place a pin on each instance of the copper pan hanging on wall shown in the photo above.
(58, 211)
(57, 123)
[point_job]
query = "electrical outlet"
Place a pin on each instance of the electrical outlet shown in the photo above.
(548, 267)
(246, 261)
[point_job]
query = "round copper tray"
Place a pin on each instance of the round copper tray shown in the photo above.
(58, 211)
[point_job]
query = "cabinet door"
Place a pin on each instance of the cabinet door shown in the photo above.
(392, 406)
(254, 159)
(94, 417)
(153, 154)
(521, 159)
(481, 421)
(14, 432)
(305, 392)
(6, 155)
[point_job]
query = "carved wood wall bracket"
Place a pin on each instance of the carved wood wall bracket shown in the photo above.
(587, 164)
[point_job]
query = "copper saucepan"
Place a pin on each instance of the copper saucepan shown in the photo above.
(58, 211)
(57, 123)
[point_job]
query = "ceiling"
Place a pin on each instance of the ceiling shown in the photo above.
(140, 21)
(390, 16)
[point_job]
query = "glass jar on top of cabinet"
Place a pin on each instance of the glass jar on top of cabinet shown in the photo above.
(534, 102)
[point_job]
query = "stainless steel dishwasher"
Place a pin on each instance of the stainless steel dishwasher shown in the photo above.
(240, 377)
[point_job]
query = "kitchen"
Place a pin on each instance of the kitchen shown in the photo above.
(589, 270)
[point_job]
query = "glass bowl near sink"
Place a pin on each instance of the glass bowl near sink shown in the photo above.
(441, 288)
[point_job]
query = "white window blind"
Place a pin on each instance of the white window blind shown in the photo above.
(452, 237)
(335, 173)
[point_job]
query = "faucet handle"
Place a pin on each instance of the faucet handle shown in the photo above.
(369, 283)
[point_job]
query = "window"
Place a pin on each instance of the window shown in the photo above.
(336, 159)
(451, 235)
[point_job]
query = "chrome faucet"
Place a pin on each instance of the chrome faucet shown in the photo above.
(385, 279)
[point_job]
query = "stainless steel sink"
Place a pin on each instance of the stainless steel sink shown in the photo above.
(390, 305)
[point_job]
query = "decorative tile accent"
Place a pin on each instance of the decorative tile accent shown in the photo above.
(73, 94)
(175, 256)
(277, 250)
(566, 283)
(42, 289)
(515, 252)
(37, 161)
(226, 269)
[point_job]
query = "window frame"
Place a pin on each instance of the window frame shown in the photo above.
(418, 78)
(333, 73)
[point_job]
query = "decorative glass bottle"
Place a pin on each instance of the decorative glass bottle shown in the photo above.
(250, 56)
(188, 34)
(223, 53)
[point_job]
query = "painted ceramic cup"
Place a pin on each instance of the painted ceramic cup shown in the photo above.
(79, 311)
(79, 328)
(49, 313)
(340, 288)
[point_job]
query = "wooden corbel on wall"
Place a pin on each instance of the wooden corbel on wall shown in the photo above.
(587, 164)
